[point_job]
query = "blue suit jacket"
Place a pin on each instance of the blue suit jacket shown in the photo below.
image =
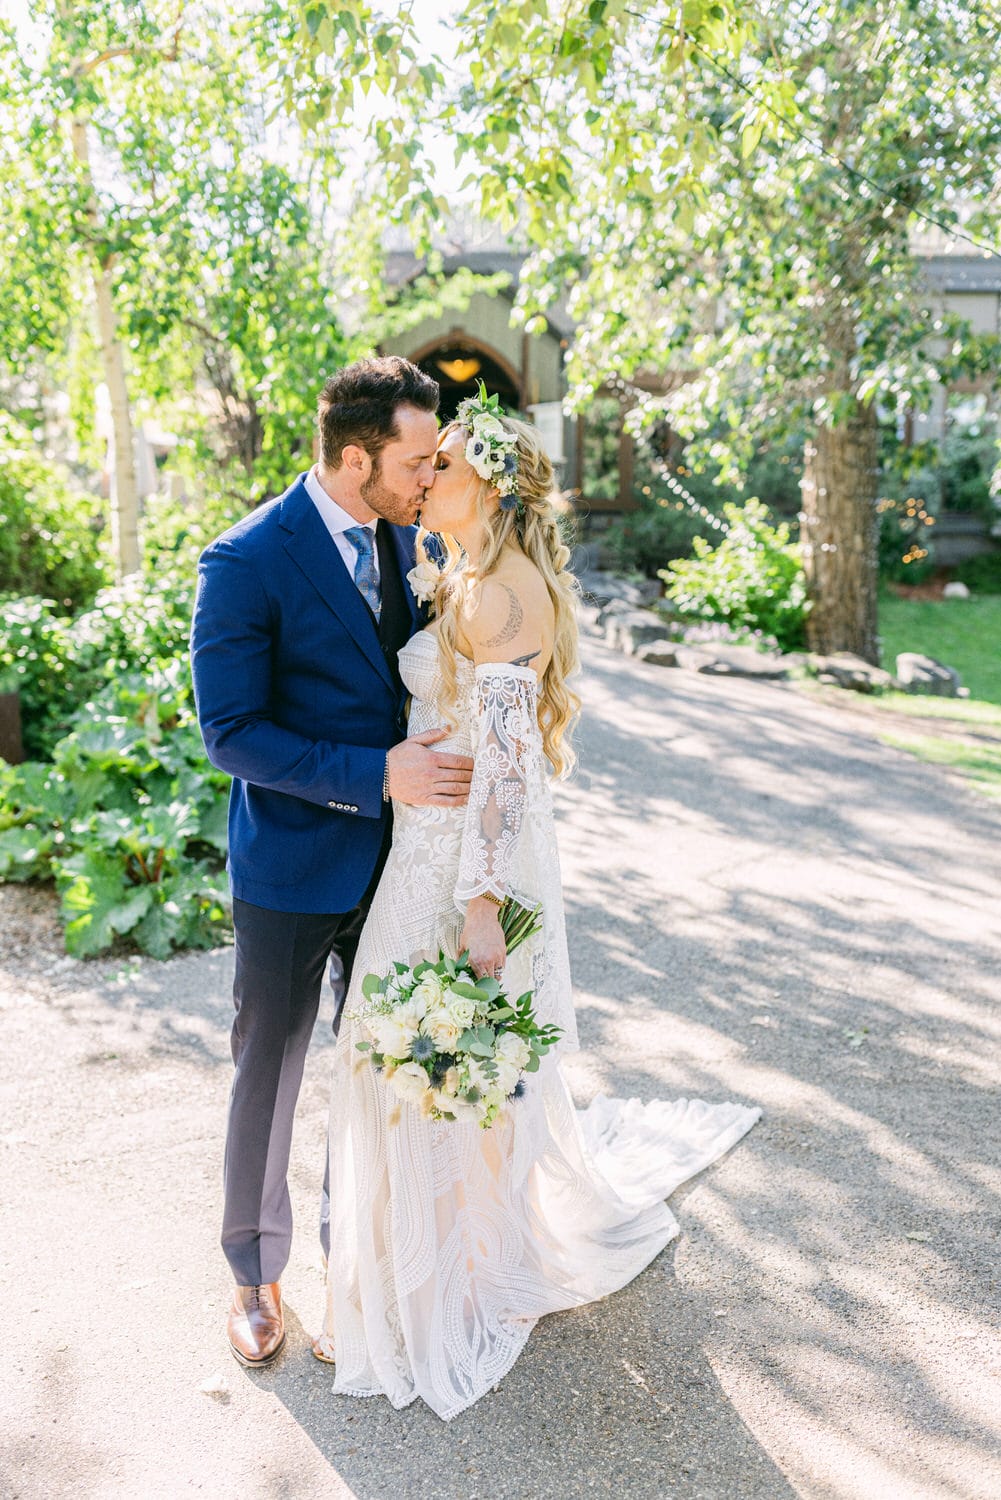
(296, 701)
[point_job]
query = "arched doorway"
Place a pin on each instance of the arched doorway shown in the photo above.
(458, 362)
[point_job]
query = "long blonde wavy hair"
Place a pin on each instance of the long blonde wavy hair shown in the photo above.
(538, 533)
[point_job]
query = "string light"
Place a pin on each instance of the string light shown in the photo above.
(625, 390)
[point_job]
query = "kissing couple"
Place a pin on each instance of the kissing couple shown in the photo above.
(393, 702)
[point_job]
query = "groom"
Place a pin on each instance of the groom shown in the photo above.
(301, 610)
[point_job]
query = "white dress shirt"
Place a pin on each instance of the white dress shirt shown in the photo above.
(337, 521)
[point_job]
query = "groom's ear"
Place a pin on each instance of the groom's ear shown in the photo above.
(356, 460)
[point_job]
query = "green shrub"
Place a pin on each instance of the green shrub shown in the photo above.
(51, 668)
(982, 575)
(49, 537)
(753, 578)
(130, 820)
(645, 540)
(57, 663)
(968, 458)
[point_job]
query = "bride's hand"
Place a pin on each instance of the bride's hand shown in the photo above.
(483, 938)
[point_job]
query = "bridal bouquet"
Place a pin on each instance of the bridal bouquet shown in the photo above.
(451, 1044)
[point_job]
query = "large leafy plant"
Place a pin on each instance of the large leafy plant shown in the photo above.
(129, 819)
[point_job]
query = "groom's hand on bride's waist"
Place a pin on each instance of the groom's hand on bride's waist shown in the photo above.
(425, 777)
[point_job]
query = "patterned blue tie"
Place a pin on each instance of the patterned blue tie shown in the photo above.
(362, 538)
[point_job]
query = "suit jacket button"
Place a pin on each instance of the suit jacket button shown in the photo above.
(331, 804)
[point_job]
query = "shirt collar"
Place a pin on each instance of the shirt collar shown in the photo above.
(335, 516)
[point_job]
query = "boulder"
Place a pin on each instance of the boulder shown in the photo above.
(733, 661)
(955, 590)
(662, 653)
(923, 674)
(630, 629)
(601, 588)
(843, 669)
(615, 607)
(588, 616)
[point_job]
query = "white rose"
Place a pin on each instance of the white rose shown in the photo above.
(429, 991)
(391, 1039)
(460, 1008)
(513, 1049)
(489, 427)
(507, 1075)
(411, 1082)
(411, 1012)
(423, 580)
(442, 1030)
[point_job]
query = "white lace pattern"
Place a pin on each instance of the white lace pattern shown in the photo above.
(448, 1242)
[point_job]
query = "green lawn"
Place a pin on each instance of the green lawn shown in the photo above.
(979, 764)
(963, 633)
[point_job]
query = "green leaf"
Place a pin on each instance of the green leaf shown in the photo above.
(24, 853)
(372, 985)
(161, 929)
(749, 138)
(98, 901)
(468, 991)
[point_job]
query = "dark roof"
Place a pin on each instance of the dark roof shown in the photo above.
(963, 273)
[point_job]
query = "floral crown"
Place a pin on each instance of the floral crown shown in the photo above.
(490, 449)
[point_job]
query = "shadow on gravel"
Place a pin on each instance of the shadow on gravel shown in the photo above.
(710, 764)
(616, 1398)
(859, 1233)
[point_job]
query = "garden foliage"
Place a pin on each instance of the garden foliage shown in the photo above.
(120, 805)
(128, 817)
(753, 578)
(49, 536)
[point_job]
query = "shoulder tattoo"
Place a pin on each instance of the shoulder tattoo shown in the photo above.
(514, 620)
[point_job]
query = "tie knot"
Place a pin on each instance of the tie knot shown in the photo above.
(362, 538)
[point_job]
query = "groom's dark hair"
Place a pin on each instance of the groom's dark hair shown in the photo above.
(358, 405)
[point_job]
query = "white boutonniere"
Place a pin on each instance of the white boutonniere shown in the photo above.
(423, 580)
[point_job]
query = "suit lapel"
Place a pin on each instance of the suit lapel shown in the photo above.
(404, 539)
(314, 552)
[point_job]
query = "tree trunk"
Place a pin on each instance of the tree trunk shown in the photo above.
(840, 536)
(124, 490)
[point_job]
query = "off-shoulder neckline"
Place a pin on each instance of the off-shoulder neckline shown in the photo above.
(514, 668)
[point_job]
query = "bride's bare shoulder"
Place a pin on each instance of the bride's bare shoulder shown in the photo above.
(509, 616)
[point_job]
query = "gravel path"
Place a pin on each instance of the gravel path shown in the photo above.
(765, 903)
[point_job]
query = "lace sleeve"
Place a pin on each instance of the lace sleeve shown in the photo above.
(507, 749)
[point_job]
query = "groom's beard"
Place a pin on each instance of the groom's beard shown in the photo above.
(401, 510)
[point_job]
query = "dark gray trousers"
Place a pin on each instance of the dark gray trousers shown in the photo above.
(280, 961)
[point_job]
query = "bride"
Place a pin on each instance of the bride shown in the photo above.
(447, 1241)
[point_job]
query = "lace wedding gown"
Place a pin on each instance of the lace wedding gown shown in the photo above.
(448, 1242)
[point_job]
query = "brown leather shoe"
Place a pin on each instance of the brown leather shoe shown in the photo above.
(256, 1325)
